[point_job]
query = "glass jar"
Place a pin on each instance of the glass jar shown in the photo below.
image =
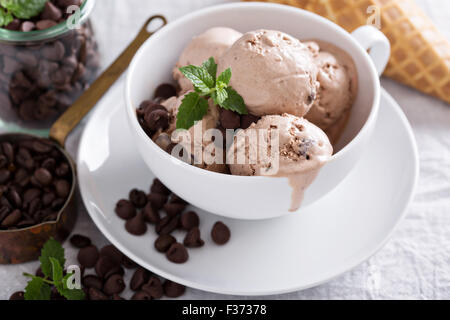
(43, 72)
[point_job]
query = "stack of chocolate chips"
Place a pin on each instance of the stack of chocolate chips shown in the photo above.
(35, 182)
(141, 209)
(40, 80)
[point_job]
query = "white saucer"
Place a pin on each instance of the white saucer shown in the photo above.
(263, 257)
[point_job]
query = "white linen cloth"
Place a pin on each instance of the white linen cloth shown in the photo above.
(415, 263)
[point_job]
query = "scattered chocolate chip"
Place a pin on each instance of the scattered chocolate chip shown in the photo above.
(19, 295)
(157, 120)
(104, 265)
(193, 239)
(177, 199)
(95, 294)
(151, 215)
(157, 200)
(91, 281)
(154, 287)
(141, 295)
(112, 252)
(88, 256)
(114, 285)
(173, 209)
(136, 226)
(165, 91)
(128, 263)
(163, 242)
(220, 233)
(159, 187)
(80, 241)
(125, 209)
(167, 225)
(189, 220)
(177, 253)
(140, 277)
(138, 198)
(173, 289)
(116, 270)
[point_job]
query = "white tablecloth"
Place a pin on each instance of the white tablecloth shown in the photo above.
(415, 263)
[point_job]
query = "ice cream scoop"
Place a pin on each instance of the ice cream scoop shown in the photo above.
(338, 87)
(281, 146)
(212, 43)
(273, 72)
(198, 139)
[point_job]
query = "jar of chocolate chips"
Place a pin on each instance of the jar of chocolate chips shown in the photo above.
(48, 57)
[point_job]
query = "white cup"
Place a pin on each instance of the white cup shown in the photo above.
(255, 197)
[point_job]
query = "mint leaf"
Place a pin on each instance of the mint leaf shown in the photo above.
(225, 77)
(201, 79)
(51, 249)
(219, 96)
(37, 289)
(193, 108)
(57, 270)
(211, 66)
(234, 102)
(5, 17)
(24, 9)
(72, 294)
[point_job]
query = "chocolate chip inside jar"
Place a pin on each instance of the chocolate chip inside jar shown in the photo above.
(35, 183)
(40, 79)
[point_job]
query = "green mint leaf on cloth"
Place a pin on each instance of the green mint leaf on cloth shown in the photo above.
(51, 249)
(24, 9)
(37, 289)
(225, 77)
(193, 108)
(5, 17)
(211, 66)
(201, 79)
(234, 102)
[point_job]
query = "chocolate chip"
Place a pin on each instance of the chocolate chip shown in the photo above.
(95, 294)
(88, 256)
(45, 24)
(12, 219)
(167, 225)
(91, 281)
(140, 277)
(163, 242)
(165, 91)
(151, 215)
(189, 220)
(177, 199)
(116, 270)
(125, 209)
(154, 287)
(112, 252)
(157, 120)
(159, 187)
(157, 200)
(177, 253)
(141, 295)
(229, 119)
(114, 285)
(220, 233)
(51, 12)
(148, 106)
(193, 239)
(247, 120)
(19, 295)
(138, 198)
(128, 263)
(80, 241)
(104, 265)
(173, 289)
(136, 225)
(173, 209)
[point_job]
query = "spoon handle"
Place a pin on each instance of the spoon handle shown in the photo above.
(75, 113)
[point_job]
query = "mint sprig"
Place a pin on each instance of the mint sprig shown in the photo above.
(22, 9)
(207, 85)
(52, 265)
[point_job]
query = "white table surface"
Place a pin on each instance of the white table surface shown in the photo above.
(415, 263)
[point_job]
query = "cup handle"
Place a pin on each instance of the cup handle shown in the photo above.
(373, 40)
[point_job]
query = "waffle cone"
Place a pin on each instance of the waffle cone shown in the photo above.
(420, 55)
